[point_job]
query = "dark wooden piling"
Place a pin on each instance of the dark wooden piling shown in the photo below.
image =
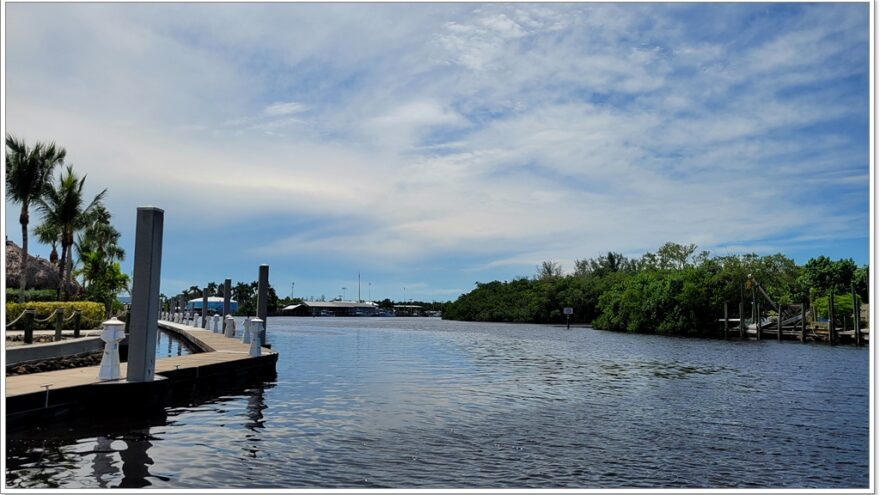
(779, 322)
(831, 318)
(742, 319)
(77, 323)
(726, 321)
(758, 320)
(857, 330)
(29, 315)
(803, 322)
(59, 323)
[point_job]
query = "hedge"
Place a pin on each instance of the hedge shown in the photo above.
(32, 295)
(92, 313)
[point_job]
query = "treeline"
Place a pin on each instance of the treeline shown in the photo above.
(675, 290)
(244, 294)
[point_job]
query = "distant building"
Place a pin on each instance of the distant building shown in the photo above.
(407, 310)
(215, 305)
(331, 308)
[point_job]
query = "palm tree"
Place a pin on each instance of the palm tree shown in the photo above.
(28, 171)
(99, 237)
(49, 234)
(62, 206)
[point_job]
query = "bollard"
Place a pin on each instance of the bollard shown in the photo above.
(113, 333)
(59, 322)
(246, 335)
(256, 338)
(77, 322)
(229, 328)
(216, 323)
(29, 315)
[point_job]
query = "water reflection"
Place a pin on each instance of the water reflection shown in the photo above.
(169, 345)
(102, 464)
(135, 459)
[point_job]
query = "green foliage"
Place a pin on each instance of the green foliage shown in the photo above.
(822, 275)
(92, 313)
(28, 172)
(65, 211)
(31, 295)
(843, 306)
(671, 291)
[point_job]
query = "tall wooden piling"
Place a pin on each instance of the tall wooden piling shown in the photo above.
(758, 320)
(803, 322)
(742, 319)
(857, 325)
(227, 295)
(263, 301)
(831, 318)
(779, 322)
(726, 322)
(205, 307)
(145, 294)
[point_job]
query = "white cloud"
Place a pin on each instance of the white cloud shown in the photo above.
(505, 134)
(284, 108)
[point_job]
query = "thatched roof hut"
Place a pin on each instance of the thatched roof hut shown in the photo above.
(42, 274)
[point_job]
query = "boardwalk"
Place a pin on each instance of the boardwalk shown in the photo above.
(221, 357)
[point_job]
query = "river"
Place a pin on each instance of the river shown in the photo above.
(421, 402)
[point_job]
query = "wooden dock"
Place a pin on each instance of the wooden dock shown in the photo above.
(58, 392)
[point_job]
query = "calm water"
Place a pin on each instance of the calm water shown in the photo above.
(370, 402)
(167, 345)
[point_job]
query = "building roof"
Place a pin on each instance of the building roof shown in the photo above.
(212, 299)
(330, 304)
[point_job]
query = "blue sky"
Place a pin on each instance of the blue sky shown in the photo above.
(430, 146)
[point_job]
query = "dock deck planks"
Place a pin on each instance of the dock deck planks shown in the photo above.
(222, 350)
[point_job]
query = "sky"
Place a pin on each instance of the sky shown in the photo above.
(427, 147)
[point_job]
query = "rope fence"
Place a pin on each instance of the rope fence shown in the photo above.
(9, 325)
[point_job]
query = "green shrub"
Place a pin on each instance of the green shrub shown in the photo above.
(32, 295)
(843, 307)
(92, 313)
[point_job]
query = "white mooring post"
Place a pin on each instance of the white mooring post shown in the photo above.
(246, 335)
(143, 328)
(229, 329)
(114, 332)
(216, 324)
(256, 337)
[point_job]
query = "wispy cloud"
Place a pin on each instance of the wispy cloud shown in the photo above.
(457, 140)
